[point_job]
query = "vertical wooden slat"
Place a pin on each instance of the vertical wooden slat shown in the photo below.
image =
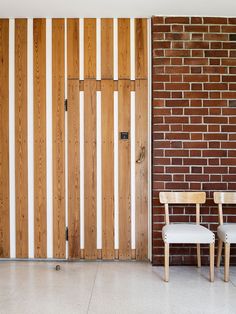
(89, 48)
(21, 158)
(107, 48)
(90, 172)
(141, 185)
(141, 50)
(74, 169)
(107, 169)
(40, 206)
(124, 48)
(73, 48)
(58, 82)
(4, 139)
(124, 171)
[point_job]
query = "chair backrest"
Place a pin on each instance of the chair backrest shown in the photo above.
(222, 198)
(196, 198)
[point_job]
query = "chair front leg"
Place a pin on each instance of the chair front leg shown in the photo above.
(212, 255)
(220, 246)
(198, 255)
(167, 249)
(227, 255)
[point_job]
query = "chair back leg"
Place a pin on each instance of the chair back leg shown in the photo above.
(212, 256)
(220, 246)
(167, 249)
(198, 255)
(227, 255)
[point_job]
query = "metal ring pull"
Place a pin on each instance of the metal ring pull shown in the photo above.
(141, 155)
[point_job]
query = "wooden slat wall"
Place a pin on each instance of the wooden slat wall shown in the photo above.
(107, 49)
(73, 48)
(124, 88)
(73, 138)
(141, 139)
(58, 82)
(124, 171)
(90, 86)
(21, 158)
(40, 204)
(4, 139)
(124, 48)
(141, 200)
(74, 169)
(107, 169)
(107, 111)
(141, 49)
(90, 48)
(90, 157)
(90, 170)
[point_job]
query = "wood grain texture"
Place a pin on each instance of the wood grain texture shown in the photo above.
(124, 171)
(141, 49)
(40, 204)
(89, 48)
(141, 169)
(124, 48)
(107, 48)
(74, 169)
(21, 156)
(90, 170)
(73, 48)
(58, 86)
(4, 139)
(107, 169)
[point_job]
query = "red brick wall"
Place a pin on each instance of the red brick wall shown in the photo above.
(194, 120)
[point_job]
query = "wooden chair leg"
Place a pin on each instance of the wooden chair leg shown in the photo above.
(220, 246)
(198, 255)
(212, 256)
(166, 262)
(227, 255)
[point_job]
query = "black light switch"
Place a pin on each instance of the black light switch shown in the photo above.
(124, 135)
(232, 37)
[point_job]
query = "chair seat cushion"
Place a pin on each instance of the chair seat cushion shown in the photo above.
(227, 233)
(187, 233)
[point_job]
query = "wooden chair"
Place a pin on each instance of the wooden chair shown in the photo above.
(186, 232)
(226, 232)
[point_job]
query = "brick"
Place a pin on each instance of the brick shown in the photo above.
(215, 20)
(195, 94)
(161, 44)
(228, 29)
(177, 28)
(216, 53)
(195, 161)
(177, 86)
(195, 78)
(195, 61)
(230, 61)
(196, 20)
(229, 78)
(213, 69)
(196, 28)
(161, 28)
(217, 37)
(157, 20)
(177, 20)
(177, 36)
(177, 53)
(212, 86)
(215, 120)
(197, 45)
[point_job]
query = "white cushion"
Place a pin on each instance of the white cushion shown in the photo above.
(227, 233)
(187, 233)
